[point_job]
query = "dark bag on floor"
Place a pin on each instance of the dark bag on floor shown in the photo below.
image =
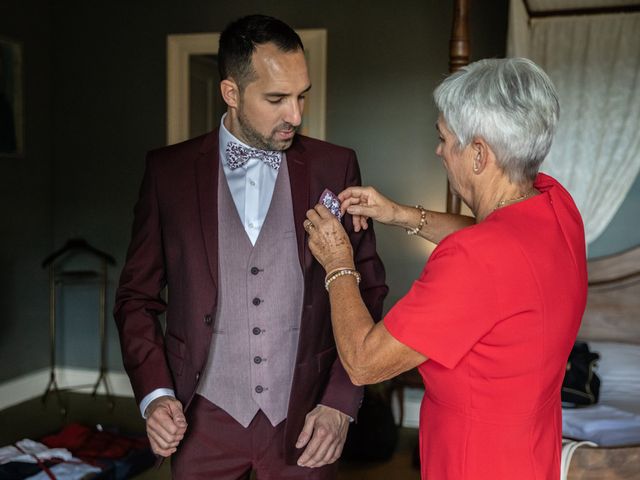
(581, 385)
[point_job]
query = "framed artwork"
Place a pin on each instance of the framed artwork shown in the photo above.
(11, 101)
(193, 106)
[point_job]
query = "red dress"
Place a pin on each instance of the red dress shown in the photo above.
(496, 310)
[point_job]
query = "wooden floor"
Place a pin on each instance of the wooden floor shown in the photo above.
(33, 419)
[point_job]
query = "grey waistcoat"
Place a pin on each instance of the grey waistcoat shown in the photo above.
(255, 340)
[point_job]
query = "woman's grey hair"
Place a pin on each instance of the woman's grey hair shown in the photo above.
(510, 103)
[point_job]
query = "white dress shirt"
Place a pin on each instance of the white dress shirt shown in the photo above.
(251, 187)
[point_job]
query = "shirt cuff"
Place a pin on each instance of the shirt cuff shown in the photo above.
(348, 416)
(158, 392)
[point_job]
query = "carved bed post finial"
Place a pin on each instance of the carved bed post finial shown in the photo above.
(458, 58)
(459, 43)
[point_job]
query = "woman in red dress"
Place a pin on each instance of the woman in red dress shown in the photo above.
(492, 318)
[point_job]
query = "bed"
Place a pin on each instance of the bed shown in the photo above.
(611, 326)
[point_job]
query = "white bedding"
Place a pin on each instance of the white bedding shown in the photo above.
(615, 420)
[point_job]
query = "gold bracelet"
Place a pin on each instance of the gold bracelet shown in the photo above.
(340, 273)
(423, 220)
(335, 270)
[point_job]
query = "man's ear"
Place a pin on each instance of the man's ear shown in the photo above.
(230, 92)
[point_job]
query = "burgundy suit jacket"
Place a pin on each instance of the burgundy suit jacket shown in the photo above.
(175, 243)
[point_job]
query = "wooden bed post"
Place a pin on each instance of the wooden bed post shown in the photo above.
(458, 58)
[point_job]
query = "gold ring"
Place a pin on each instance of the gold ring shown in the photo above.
(308, 225)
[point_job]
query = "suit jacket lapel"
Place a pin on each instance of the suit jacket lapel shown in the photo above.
(299, 179)
(207, 184)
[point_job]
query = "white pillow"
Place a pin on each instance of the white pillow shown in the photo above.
(619, 372)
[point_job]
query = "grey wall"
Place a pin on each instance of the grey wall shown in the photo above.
(26, 201)
(623, 232)
(101, 99)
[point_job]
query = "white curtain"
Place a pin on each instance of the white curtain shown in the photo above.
(594, 61)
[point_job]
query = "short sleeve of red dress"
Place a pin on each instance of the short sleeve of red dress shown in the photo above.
(451, 305)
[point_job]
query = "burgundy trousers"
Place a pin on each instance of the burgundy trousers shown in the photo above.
(217, 447)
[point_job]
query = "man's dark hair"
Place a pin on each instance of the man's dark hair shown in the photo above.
(239, 39)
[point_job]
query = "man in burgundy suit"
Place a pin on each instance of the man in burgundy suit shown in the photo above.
(246, 374)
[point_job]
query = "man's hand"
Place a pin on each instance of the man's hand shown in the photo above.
(166, 425)
(324, 432)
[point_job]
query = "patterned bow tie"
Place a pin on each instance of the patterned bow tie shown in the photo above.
(238, 155)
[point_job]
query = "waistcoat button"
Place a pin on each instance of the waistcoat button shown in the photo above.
(257, 360)
(259, 389)
(208, 319)
(256, 301)
(255, 270)
(256, 331)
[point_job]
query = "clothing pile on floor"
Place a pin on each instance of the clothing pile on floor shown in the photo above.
(77, 452)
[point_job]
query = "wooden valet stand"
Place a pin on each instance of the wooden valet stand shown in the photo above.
(58, 278)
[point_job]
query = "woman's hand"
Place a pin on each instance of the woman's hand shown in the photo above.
(328, 240)
(364, 203)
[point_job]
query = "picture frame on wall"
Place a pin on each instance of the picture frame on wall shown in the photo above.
(11, 99)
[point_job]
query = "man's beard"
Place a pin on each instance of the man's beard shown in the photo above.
(255, 139)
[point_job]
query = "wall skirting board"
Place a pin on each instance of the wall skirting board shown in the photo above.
(32, 385)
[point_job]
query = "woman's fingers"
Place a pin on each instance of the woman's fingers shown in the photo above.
(347, 202)
(328, 240)
(355, 192)
(323, 212)
(361, 221)
(313, 216)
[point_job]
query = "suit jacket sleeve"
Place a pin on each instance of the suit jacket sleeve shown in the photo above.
(340, 393)
(138, 298)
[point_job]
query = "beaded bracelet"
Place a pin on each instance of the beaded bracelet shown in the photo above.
(328, 274)
(339, 273)
(423, 220)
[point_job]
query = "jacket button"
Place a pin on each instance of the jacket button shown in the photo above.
(255, 270)
(197, 376)
(256, 331)
(257, 360)
(259, 389)
(256, 301)
(208, 319)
